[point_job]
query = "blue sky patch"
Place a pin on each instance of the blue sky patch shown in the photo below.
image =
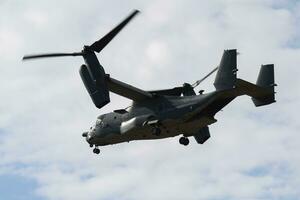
(258, 171)
(13, 187)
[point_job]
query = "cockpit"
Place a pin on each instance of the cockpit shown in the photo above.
(100, 123)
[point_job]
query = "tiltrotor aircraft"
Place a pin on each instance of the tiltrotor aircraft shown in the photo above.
(164, 113)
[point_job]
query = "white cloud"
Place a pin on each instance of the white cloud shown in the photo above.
(157, 53)
(36, 18)
(11, 40)
(44, 107)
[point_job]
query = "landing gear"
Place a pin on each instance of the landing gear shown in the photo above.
(156, 131)
(96, 150)
(184, 141)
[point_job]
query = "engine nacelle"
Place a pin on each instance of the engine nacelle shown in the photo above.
(96, 85)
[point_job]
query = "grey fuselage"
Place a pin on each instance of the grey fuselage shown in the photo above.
(173, 115)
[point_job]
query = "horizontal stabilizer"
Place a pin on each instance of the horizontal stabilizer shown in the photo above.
(262, 92)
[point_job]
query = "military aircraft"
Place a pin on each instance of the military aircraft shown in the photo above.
(163, 113)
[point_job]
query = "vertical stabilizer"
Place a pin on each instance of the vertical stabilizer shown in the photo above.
(265, 80)
(226, 75)
(266, 76)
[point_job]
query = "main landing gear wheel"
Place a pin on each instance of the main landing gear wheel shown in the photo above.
(184, 141)
(96, 150)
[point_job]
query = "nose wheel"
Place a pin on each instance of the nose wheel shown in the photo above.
(184, 141)
(96, 150)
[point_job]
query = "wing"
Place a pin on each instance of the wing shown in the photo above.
(127, 90)
(177, 91)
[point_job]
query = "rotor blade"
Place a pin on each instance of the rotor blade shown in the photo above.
(100, 44)
(205, 77)
(51, 55)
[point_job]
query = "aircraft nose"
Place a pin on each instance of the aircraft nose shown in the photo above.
(84, 134)
(89, 136)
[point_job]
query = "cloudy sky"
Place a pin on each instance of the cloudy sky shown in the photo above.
(253, 152)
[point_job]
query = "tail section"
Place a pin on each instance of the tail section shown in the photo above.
(226, 80)
(226, 75)
(265, 80)
(262, 92)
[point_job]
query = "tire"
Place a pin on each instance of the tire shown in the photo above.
(184, 141)
(181, 140)
(96, 151)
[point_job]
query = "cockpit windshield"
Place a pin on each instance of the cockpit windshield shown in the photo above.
(99, 123)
